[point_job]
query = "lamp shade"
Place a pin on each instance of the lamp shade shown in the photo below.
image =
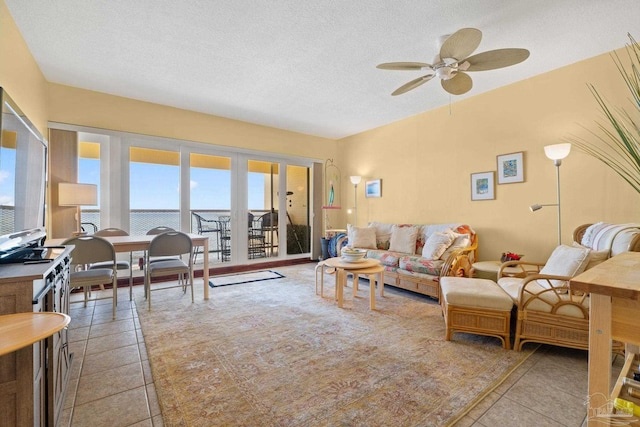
(72, 194)
(355, 179)
(557, 151)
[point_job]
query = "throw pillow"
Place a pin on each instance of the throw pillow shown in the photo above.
(361, 237)
(595, 257)
(403, 239)
(564, 261)
(460, 241)
(437, 244)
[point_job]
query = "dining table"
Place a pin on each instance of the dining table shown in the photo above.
(123, 244)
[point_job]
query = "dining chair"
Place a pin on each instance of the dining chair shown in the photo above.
(89, 251)
(153, 232)
(120, 264)
(159, 230)
(168, 244)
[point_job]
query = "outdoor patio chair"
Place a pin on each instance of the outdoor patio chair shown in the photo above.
(207, 226)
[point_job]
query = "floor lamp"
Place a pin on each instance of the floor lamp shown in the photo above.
(355, 180)
(555, 152)
(72, 194)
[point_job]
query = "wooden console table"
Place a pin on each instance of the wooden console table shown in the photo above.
(614, 310)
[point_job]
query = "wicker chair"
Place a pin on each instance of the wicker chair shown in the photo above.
(548, 310)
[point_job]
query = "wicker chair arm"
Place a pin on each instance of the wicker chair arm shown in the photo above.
(527, 268)
(551, 296)
(459, 262)
(579, 232)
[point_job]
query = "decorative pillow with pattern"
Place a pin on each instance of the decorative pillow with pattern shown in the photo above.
(460, 241)
(437, 244)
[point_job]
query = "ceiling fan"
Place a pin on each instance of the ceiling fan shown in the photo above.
(453, 61)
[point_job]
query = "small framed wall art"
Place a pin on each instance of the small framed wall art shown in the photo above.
(483, 186)
(373, 188)
(510, 168)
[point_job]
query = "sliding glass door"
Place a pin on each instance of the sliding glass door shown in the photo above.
(210, 202)
(254, 207)
(262, 209)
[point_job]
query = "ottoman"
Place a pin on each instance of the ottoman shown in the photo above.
(476, 306)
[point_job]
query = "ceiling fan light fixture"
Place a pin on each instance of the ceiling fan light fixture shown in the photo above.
(454, 59)
(445, 73)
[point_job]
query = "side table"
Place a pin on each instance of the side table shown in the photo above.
(342, 267)
(489, 270)
(22, 329)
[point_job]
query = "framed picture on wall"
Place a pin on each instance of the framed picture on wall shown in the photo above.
(373, 188)
(483, 186)
(510, 168)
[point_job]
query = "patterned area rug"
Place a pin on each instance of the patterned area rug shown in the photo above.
(280, 355)
(236, 279)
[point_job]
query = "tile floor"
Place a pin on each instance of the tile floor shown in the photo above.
(111, 383)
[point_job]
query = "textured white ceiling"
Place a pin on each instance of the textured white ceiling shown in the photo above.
(306, 66)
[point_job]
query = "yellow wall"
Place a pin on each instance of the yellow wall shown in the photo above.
(425, 162)
(20, 76)
(88, 108)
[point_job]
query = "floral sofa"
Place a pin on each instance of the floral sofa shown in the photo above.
(548, 310)
(415, 256)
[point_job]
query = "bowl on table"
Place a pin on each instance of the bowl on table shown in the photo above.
(353, 255)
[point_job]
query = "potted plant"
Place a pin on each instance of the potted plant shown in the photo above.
(617, 144)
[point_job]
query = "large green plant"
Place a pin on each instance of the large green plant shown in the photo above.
(617, 143)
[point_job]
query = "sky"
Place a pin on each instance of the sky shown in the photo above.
(156, 186)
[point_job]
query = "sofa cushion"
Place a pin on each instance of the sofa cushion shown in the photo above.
(436, 244)
(403, 239)
(423, 265)
(564, 261)
(386, 258)
(361, 237)
(546, 298)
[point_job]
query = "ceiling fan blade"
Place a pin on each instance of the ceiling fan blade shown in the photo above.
(412, 84)
(498, 58)
(403, 66)
(459, 84)
(461, 44)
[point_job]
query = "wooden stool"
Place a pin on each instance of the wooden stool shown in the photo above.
(320, 268)
(476, 306)
(371, 272)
